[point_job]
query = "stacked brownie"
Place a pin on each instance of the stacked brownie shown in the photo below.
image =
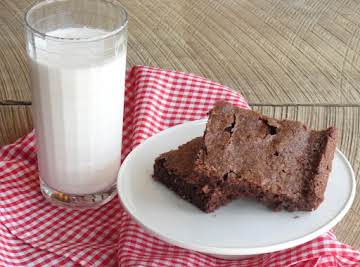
(281, 163)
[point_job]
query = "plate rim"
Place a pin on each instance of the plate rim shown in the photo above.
(231, 251)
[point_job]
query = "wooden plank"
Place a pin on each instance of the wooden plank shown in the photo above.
(15, 121)
(274, 52)
(11, 10)
(347, 121)
(14, 70)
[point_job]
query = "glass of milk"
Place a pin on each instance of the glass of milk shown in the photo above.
(77, 58)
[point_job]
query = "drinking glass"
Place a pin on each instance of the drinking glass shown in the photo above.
(77, 56)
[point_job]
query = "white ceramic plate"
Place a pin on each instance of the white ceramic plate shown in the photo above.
(243, 227)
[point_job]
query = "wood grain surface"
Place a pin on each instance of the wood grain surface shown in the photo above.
(295, 59)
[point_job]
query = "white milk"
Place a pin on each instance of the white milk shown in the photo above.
(78, 111)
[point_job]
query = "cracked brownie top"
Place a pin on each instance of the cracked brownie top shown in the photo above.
(282, 157)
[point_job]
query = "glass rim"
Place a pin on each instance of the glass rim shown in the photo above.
(72, 39)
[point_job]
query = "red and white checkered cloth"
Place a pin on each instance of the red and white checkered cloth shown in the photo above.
(35, 233)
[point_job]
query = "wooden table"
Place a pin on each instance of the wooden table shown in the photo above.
(291, 59)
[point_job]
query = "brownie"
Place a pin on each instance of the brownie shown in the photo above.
(281, 163)
(175, 169)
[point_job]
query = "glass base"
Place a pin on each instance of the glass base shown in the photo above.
(92, 200)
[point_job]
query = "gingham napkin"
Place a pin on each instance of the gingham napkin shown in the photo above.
(35, 233)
